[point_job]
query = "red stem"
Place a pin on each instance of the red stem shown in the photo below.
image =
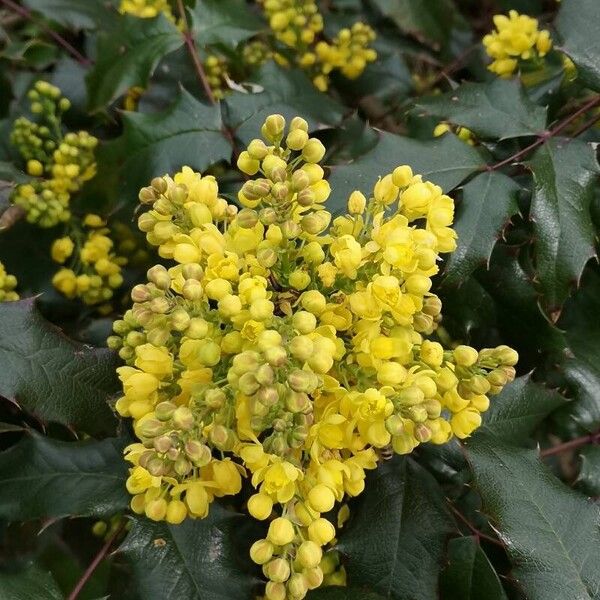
(94, 564)
(544, 137)
(26, 14)
(592, 438)
(472, 528)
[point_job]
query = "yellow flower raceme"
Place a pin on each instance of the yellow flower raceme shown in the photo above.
(290, 348)
(8, 283)
(515, 38)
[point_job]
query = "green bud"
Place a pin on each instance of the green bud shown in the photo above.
(273, 128)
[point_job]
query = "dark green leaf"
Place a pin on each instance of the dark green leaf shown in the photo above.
(51, 376)
(578, 24)
(394, 542)
(445, 161)
(127, 56)
(228, 23)
(522, 405)
(42, 478)
(469, 574)
(90, 14)
(550, 531)
(204, 559)
(288, 92)
(427, 20)
(32, 584)
(498, 110)
(564, 174)
(589, 475)
(343, 593)
(489, 201)
(188, 133)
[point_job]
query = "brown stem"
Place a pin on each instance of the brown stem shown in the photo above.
(455, 65)
(544, 137)
(193, 52)
(592, 438)
(473, 529)
(94, 564)
(26, 14)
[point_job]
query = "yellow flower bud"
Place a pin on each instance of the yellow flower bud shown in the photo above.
(247, 164)
(313, 151)
(35, 168)
(273, 127)
(281, 531)
(62, 249)
(297, 139)
(385, 191)
(465, 356)
(357, 203)
(465, 422)
(321, 531)
(432, 353)
(261, 552)
(176, 512)
(260, 506)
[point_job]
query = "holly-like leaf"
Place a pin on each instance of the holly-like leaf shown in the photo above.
(469, 574)
(91, 14)
(51, 376)
(127, 56)
(288, 92)
(589, 475)
(188, 133)
(496, 110)
(29, 584)
(550, 531)
(227, 23)
(203, 559)
(578, 23)
(427, 20)
(394, 542)
(564, 174)
(343, 593)
(445, 161)
(489, 201)
(42, 478)
(522, 405)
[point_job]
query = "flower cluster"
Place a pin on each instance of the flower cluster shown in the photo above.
(291, 348)
(60, 163)
(298, 23)
(94, 270)
(516, 37)
(147, 9)
(464, 134)
(8, 283)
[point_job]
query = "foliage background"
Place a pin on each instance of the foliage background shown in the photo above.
(510, 514)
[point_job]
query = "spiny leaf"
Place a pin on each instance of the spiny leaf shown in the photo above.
(187, 133)
(51, 376)
(33, 583)
(564, 174)
(203, 559)
(522, 405)
(127, 56)
(445, 161)
(589, 475)
(578, 24)
(228, 23)
(489, 201)
(343, 593)
(550, 531)
(394, 542)
(42, 478)
(499, 109)
(469, 574)
(91, 14)
(288, 92)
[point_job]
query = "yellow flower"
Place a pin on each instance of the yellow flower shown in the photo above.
(154, 360)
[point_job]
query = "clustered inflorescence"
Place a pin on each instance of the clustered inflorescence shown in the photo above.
(290, 348)
(60, 163)
(516, 38)
(147, 9)
(8, 284)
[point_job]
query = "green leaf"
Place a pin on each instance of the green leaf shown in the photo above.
(91, 14)
(343, 593)
(187, 133)
(550, 531)
(42, 478)
(496, 110)
(489, 201)
(394, 542)
(578, 24)
(33, 583)
(469, 574)
(288, 92)
(445, 161)
(427, 20)
(227, 23)
(203, 559)
(589, 475)
(127, 56)
(565, 173)
(51, 376)
(516, 412)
